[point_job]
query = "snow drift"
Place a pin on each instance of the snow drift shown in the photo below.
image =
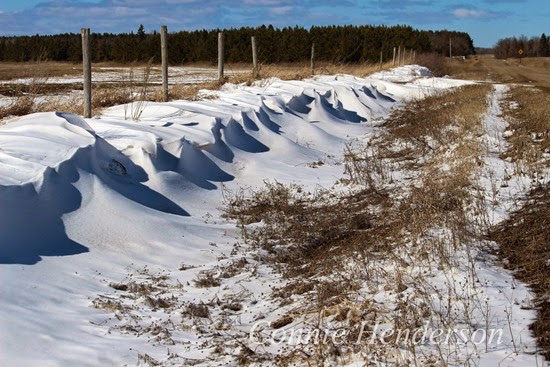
(43, 156)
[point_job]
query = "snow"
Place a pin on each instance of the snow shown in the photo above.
(178, 75)
(88, 202)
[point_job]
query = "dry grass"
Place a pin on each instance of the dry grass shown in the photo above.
(439, 118)
(527, 111)
(19, 107)
(297, 72)
(206, 279)
(442, 154)
(329, 246)
(438, 65)
(19, 70)
(524, 238)
(300, 228)
(524, 243)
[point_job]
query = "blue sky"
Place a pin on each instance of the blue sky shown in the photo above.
(485, 20)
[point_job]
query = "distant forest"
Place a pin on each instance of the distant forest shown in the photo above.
(338, 44)
(532, 47)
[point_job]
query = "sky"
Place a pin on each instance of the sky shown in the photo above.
(486, 21)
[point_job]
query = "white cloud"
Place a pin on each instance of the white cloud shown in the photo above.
(463, 13)
(280, 10)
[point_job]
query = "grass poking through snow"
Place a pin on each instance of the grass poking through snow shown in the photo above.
(409, 234)
(524, 238)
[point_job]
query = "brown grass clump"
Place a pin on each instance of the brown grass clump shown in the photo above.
(438, 64)
(106, 96)
(19, 107)
(301, 228)
(206, 279)
(197, 310)
(24, 101)
(191, 91)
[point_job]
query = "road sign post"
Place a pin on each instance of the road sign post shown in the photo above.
(520, 53)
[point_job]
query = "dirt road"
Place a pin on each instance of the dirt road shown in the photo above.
(528, 71)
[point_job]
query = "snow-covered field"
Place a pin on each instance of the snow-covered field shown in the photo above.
(87, 204)
(177, 75)
(117, 77)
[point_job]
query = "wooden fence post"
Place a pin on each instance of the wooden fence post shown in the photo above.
(394, 56)
(313, 59)
(164, 57)
(87, 72)
(399, 56)
(220, 56)
(381, 58)
(254, 58)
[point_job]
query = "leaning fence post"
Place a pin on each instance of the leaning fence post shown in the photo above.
(254, 57)
(220, 56)
(87, 72)
(164, 57)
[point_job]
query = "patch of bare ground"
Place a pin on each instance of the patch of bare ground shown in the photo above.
(39, 69)
(524, 238)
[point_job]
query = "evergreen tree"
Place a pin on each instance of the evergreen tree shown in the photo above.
(141, 32)
(347, 44)
(544, 46)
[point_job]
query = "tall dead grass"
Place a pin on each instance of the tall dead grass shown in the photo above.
(439, 65)
(528, 111)
(24, 99)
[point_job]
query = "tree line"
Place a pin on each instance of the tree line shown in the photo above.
(338, 44)
(532, 47)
